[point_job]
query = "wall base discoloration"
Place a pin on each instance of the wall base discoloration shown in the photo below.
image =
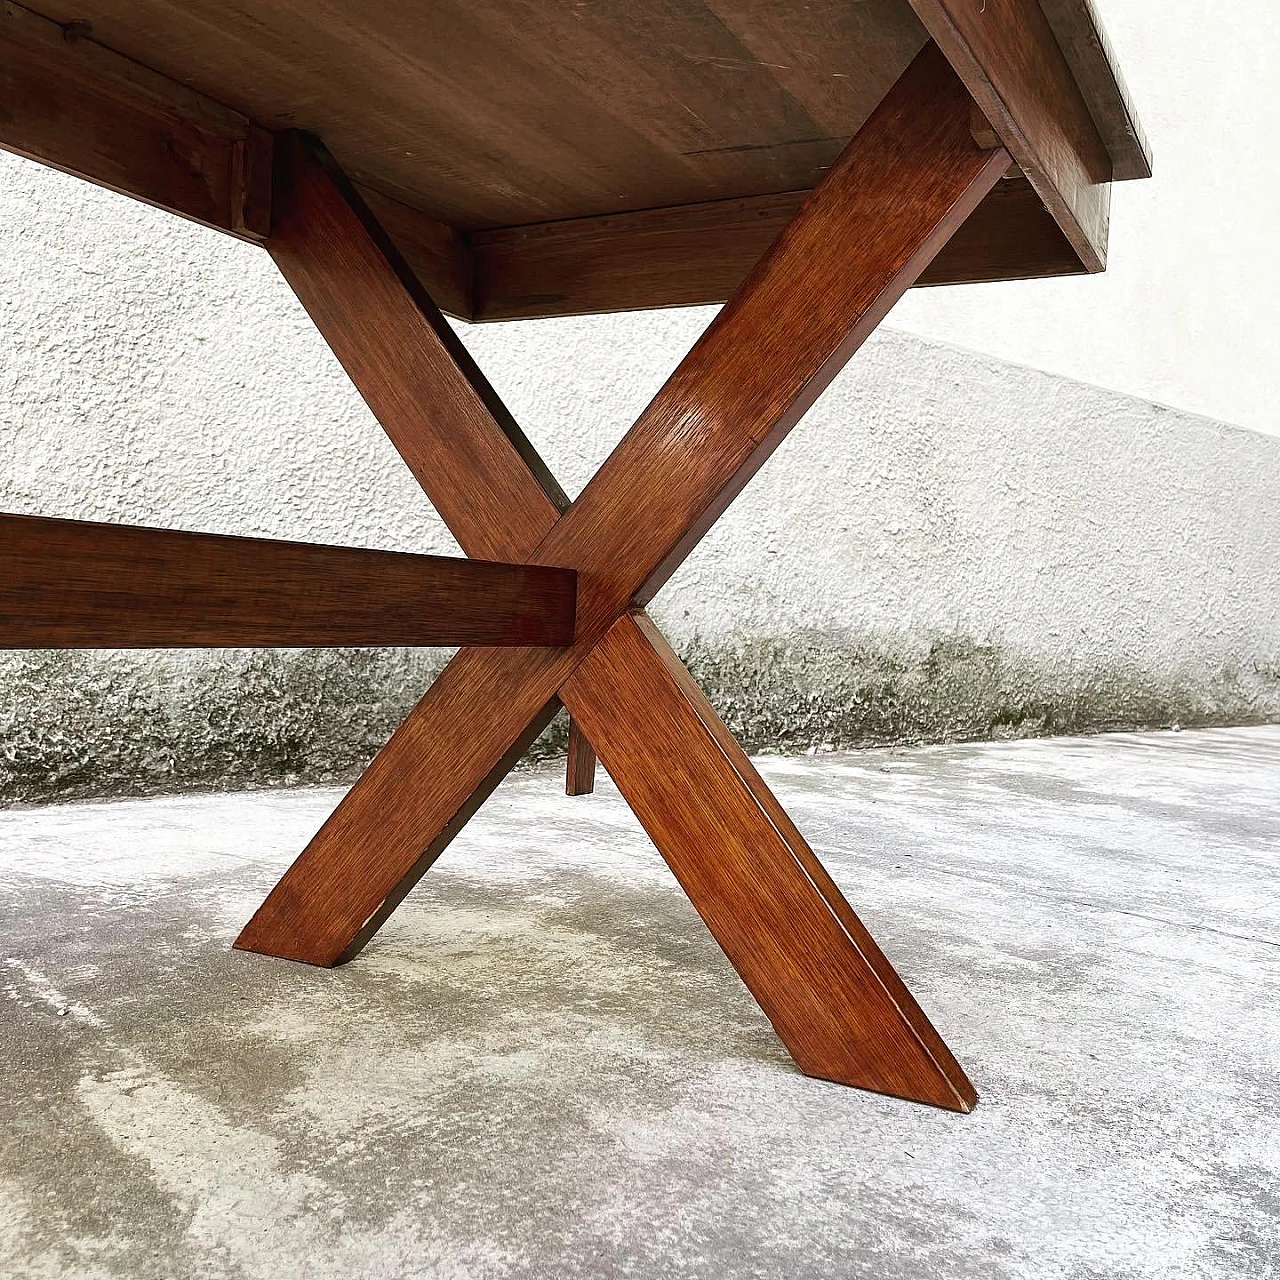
(75, 725)
(84, 725)
(808, 691)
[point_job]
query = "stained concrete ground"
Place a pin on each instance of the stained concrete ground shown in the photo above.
(544, 1067)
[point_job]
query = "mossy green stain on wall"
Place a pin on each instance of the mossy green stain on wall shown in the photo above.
(82, 725)
(807, 691)
(77, 725)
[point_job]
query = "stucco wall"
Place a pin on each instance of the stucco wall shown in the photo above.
(948, 545)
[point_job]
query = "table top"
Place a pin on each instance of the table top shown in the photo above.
(485, 116)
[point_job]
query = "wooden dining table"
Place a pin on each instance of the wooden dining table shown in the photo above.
(804, 164)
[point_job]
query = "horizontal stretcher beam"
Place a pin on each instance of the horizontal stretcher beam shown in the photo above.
(69, 584)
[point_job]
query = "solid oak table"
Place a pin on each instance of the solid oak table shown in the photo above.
(514, 158)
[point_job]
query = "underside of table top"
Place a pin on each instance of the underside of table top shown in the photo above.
(537, 157)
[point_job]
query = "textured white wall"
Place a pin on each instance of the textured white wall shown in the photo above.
(1188, 311)
(969, 543)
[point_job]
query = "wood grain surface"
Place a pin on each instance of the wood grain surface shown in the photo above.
(445, 758)
(900, 189)
(902, 186)
(580, 770)
(699, 254)
(70, 584)
(831, 995)
(582, 158)
(1084, 43)
(637, 174)
(1009, 59)
(70, 103)
(449, 426)
(487, 113)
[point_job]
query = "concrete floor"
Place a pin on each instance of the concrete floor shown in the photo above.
(544, 1067)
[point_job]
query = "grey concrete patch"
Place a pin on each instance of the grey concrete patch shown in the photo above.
(544, 1067)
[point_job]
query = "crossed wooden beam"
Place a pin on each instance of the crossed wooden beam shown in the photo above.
(902, 186)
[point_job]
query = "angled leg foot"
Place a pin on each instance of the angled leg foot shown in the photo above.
(481, 714)
(833, 998)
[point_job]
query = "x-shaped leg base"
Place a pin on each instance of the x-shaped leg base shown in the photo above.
(901, 188)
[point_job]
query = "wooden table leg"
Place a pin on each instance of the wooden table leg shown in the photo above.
(580, 771)
(900, 189)
(833, 998)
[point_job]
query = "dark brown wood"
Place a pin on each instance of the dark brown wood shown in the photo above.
(465, 449)
(1088, 52)
(1007, 55)
(72, 104)
(486, 113)
(448, 754)
(460, 808)
(981, 128)
(900, 189)
(72, 584)
(457, 118)
(438, 255)
(700, 254)
(77, 105)
(833, 998)
(68, 102)
(580, 772)
(478, 119)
